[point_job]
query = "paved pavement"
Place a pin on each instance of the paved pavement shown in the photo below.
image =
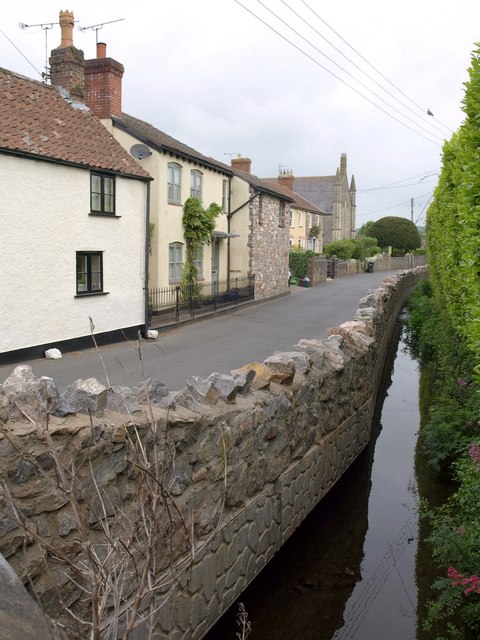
(221, 343)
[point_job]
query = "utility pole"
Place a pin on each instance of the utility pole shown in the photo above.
(411, 209)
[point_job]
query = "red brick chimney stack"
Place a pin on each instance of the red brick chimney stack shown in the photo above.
(103, 84)
(286, 178)
(67, 64)
(242, 164)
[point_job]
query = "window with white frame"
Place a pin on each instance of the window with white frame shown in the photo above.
(196, 184)
(292, 221)
(175, 262)
(299, 218)
(225, 194)
(89, 272)
(174, 183)
(102, 194)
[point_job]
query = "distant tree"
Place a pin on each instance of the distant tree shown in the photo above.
(363, 229)
(396, 232)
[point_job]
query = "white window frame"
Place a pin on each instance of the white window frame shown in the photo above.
(175, 262)
(196, 179)
(174, 183)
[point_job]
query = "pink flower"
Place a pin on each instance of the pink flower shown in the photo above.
(474, 452)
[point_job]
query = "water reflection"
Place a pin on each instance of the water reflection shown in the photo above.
(348, 571)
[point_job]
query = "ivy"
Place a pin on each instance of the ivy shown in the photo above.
(198, 225)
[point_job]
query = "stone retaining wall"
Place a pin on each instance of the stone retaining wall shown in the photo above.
(234, 467)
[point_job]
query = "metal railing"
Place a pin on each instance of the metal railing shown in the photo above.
(177, 303)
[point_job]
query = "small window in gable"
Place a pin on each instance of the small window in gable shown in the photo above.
(174, 183)
(102, 194)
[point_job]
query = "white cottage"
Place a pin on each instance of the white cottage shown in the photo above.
(74, 225)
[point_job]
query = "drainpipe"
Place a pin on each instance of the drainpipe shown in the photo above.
(147, 245)
(229, 217)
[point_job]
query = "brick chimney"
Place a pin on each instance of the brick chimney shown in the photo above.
(242, 164)
(103, 84)
(67, 64)
(285, 178)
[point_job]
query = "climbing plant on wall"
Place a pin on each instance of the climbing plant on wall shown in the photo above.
(198, 224)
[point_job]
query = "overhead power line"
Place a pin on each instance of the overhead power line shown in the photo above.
(22, 54)
(378, 84)
(350, 75)
(335, 75)
(422, 109)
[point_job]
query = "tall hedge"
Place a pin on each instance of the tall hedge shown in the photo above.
(453, 220)
(396, 232)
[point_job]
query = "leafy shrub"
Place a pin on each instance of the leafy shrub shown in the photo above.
(455, 540)
(299, 260)
(393, 231)
(358, 248)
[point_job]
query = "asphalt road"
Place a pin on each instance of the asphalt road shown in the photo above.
(221, 343)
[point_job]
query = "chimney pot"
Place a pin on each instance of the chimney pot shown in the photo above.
(66, 25)
(101, 50)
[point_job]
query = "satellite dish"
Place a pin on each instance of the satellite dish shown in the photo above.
(140, 151)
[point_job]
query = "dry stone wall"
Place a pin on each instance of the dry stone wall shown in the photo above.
(218, 476)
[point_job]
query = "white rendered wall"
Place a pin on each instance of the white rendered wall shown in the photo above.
(44, 221)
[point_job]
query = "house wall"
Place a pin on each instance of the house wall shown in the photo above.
(266, 254)
(44, 217)
(168, 217)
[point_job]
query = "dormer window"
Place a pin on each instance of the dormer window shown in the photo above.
(102, 194)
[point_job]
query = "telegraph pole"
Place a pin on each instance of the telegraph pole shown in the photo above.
(411, 209)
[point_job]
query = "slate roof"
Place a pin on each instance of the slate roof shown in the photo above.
(161, 141)
(317, 189)
(36, 120)
(267, 186)
(298, 201)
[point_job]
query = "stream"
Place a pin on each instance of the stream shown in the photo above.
(349, 571)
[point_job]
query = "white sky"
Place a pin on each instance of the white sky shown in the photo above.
(215, 77)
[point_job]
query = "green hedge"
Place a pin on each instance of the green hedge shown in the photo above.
(453, 220)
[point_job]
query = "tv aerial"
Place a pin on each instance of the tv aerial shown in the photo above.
(45, 26)
(97, 27)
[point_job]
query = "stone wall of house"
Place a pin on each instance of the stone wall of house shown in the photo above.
(234, 464)
(269, 245)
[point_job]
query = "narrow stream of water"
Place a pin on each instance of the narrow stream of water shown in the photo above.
(349, 570)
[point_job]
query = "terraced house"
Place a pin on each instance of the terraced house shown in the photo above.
(238, 249)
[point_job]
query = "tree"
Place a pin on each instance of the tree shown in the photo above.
(363, 229)
(396, 232)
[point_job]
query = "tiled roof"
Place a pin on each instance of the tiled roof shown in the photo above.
(265, 185)
(150, 135)
(317, 189)
(35, 119)
(298, 201)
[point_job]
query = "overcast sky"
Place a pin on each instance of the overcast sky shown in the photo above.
(215, 75)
